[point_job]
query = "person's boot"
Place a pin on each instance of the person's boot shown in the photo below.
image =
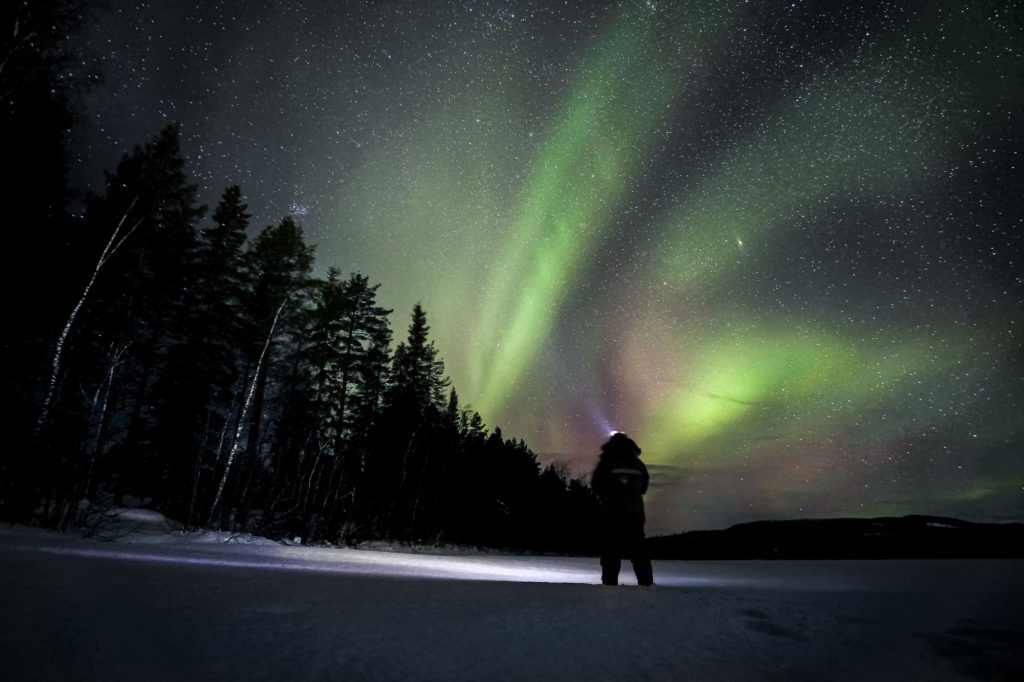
(644, 572)
(610, 571)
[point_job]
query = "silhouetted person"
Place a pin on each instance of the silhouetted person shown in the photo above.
(620, 481)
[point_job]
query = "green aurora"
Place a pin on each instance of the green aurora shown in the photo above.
(777, 243)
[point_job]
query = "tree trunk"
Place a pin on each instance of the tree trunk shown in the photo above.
(241, 422)
(112, 246)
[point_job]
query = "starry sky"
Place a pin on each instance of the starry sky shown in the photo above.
(777, 243)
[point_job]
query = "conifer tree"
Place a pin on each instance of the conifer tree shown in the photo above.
(132, 316)
(408, 463)
(309, 446)
(219, 292)
(202, 378)
(345, 328)
(367, 421)
(417, 374)
(277, 266)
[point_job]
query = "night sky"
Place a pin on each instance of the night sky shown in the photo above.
(778, 243)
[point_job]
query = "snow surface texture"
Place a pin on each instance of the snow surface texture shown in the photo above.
(164, 606)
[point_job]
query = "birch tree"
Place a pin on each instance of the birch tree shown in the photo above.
(117, 238)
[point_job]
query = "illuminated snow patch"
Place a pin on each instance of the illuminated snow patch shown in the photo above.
(348, 561)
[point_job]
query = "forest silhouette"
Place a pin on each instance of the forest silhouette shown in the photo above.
(166, 356)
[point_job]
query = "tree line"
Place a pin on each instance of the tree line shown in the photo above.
(163, 355)
(210, 375)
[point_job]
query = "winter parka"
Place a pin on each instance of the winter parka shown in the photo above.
(620, 481)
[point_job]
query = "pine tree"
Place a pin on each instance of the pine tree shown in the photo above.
(407, 467)
(373, 366)
(278, 263)
(345, 328)
(201, 379)
(417, 375)
(275, 304)
(131, 317)
(365, 443)
(220, 282)
(310, 444)
(150, 301)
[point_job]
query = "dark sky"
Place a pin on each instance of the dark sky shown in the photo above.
(778, 243)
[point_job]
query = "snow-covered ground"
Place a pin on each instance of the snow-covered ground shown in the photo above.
(162, 606)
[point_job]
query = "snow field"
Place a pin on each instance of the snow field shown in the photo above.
(182, 609)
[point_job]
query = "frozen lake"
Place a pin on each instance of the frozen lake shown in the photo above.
(87, 610)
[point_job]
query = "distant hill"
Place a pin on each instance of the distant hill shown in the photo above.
(907, 537)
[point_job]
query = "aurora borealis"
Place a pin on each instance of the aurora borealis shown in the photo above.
(778, 243)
